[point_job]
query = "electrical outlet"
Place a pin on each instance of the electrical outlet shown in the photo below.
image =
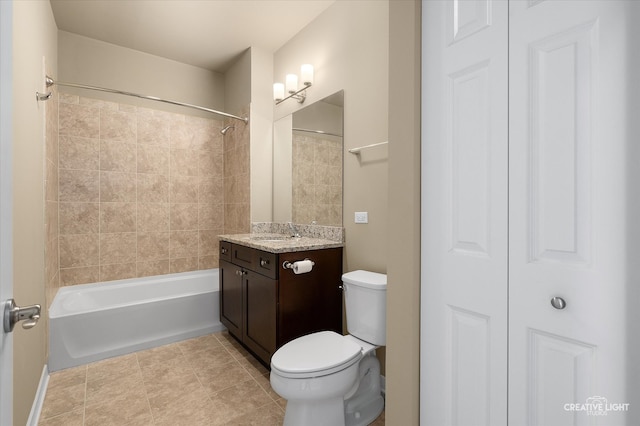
(362, 217)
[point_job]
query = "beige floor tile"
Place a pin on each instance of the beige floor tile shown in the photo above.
(163, 393)
(158, 355)
(72, 418)
(379, 421)
(238, 400)
(66, 378)
(268, 415)
(210, 357)
(193, 408)
(166, 371)
(199, 343)
(129, 409)
(62, 400)
(107, 388)
(220, 377)
(265, 382)
(112, 368)
(253, 366)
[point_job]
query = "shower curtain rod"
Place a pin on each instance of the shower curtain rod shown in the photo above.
(316, 131)
(50, 82)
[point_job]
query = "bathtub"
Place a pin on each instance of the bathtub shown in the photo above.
(91, 322)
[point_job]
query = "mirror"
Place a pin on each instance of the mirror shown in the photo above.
(307, 176)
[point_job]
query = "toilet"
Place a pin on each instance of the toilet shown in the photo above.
(331, 379)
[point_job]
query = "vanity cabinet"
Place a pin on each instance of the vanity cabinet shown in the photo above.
(264, 305)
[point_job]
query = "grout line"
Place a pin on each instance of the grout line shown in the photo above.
(144, 386)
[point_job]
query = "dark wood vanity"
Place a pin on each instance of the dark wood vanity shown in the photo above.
(265, 305)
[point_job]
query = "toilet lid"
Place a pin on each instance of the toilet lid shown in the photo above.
(315, 354)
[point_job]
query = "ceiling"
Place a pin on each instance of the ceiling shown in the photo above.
(210, 34)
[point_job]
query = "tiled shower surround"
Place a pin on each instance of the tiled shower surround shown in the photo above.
(142, 191)
(317, 180)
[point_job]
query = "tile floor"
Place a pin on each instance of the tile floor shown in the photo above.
(209, 380)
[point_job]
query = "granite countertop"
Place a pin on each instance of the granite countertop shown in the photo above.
(279, 243)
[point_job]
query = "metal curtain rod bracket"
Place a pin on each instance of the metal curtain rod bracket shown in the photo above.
(356, 151)
(50, 82)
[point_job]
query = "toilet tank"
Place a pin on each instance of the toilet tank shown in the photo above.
(365, 295)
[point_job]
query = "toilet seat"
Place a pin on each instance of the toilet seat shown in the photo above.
(314, 355)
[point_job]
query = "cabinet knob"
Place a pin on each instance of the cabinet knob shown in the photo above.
(223, 250)
(264, 262)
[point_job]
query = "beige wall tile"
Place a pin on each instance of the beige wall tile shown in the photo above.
(184, 189)
(79, 185)
(210, 164)
(84, 275)
(118, 156)
(51, 228)
(66, 98)
(153, 188)
(152, 130)
(184, 162)
(117, 125)
(78, 120)
(79, 218)
(153, 246)
(183, 244)
(208, 262)
(52, 265)
(97, 103)
(78, 250)
(51, 181)
(118, 271)
(78, 153)
(153, 217)
(208, 242)
(117, 187)
(211, 190)
(118, 248)
(155, 267)
(153, 159)
(184, 216)
(117, 217)
(184, 264)
(210, 216)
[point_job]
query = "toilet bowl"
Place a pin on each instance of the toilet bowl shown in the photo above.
(334, 380)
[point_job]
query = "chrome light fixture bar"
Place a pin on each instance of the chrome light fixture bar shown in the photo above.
(299, 94)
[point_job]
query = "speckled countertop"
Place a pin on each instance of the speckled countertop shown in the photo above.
(280, 243)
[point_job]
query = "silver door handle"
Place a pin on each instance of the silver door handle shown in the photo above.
(14, 314)
(558, 302)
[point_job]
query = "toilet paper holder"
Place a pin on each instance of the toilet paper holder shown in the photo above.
(289, 265)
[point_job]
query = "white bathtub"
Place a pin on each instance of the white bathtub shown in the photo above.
(91, 322)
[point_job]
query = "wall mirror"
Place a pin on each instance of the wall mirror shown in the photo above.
(308, 164)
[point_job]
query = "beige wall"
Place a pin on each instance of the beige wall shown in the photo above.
(34, 41)
(87, 61)
(351, 53)
(403, 295)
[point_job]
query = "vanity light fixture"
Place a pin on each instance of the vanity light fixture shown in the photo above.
(291, 86)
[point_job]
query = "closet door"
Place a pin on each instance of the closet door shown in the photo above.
(464, 205)
(573, 201)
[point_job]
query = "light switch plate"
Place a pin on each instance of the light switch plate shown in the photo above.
(362, 217)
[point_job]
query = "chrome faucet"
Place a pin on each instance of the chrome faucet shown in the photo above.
(294, 231)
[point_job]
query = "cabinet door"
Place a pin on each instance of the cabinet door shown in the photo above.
(260, 315)
(231, 297)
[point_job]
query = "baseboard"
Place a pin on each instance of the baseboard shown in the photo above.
(36, 408)
(383, 385)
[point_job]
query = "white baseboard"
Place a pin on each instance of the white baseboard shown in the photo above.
(36, 408)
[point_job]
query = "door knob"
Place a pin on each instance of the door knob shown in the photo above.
(558, 302)
(14, 314)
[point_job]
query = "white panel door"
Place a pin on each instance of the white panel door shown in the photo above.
(464, 204)
(571, 201)
(6, 258)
